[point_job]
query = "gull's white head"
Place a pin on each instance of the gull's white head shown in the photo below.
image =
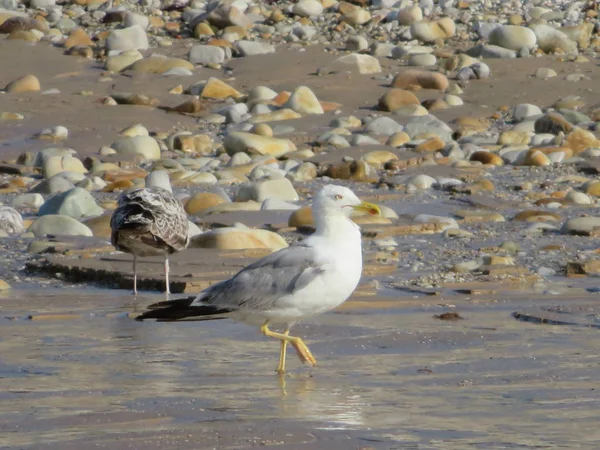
(338, 201)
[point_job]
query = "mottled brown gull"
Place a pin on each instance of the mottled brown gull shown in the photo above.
(303, 280)
(150, 222)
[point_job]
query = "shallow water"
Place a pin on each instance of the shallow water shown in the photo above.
(391, 377)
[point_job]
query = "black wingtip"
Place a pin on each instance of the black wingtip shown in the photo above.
(179, 309)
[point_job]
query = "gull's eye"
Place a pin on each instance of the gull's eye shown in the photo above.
(339, 196)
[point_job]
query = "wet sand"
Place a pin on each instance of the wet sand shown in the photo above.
(388, 377)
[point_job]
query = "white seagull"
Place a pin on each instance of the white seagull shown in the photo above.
(309, 278)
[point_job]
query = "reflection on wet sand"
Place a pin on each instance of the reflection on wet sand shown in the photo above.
(387, 379)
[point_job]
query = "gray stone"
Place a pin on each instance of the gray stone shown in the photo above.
(512, 37)
(57, 225)
(76, 203)
(206, 54)
(525, 110)
(307, 8)
(491, 51)
(384, 126)
(54, 185)
(132, 19)
(131, 38)
(250, 48)
(428, 124)
(32, 201)
(581, 225)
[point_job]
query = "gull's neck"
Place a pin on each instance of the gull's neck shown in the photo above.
(336, 227)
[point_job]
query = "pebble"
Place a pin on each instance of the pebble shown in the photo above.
(234, 238)
(251, 48)
(131, 38)
(524, 111)
(544, 72)
(33, 201)
(394, 99)
(307, 8)
(355, 62)
(206, 54)
(57, 225)
(26, 83)
(121, 61)
(304, 101)
(551, 40)
(384, 126)
(145, 147)
(409, 15)
(281, 189)
(582, 226)
(240, 141)
(429, 31)
(76, 203)
(421, 78)
(513, 37)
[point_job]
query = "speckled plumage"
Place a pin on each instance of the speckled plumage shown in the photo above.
(149, 222)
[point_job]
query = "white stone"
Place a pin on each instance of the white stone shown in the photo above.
(144, 146)
(307, 8)
(132, 38)
(57, 225)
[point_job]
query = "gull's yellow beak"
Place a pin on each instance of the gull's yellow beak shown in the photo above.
(368, 208)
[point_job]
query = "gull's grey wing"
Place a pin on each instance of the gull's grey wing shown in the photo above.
(261, 284)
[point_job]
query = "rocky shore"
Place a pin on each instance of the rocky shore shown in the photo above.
(472, 124)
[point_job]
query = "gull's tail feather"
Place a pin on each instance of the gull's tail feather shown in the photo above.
(180, 309)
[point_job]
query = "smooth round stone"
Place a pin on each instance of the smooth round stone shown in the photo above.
(513, 37)
(131, 38)
(550, 39)
(132, 19)
(251, 48)
(409, 15)
(429, 31)
(261, 93)
(422, 182)
(384, 126)
(32, 201)
(581, 225)
(307, 8)
(525, 110)
(357, 43)
(545, 72)
(57, 225)
(53, 185)
(491, 51)
(26, 83)
(143, 146)
(453, 100)
(422, 60)
(76, 203)
(206, 54)
(280, 188)
(578, 198)
(428, 124)
(304, 101)
(354, 63)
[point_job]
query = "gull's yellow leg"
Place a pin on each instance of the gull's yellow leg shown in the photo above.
(282, 353)
(301, 349)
